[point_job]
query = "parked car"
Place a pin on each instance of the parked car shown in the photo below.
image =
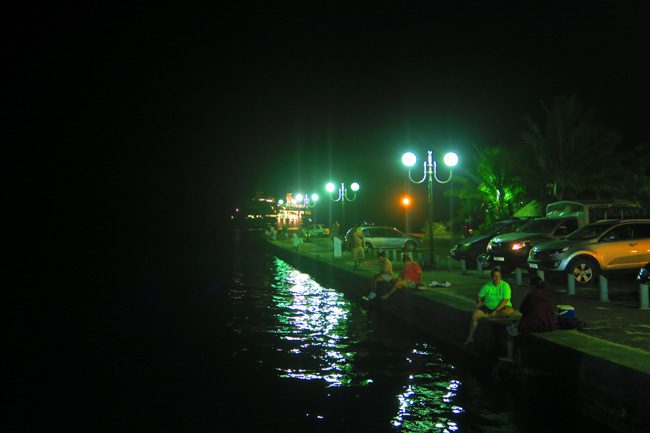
(590, 211)
(313, 230)
(510, 250)
(471, 248)
(384, 237)
(600, 246)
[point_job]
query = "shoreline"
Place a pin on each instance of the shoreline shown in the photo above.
(610, 381)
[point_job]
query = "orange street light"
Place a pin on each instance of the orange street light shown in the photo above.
(406, 203)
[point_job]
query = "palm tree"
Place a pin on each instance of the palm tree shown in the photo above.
(490, 186)
(571, 155)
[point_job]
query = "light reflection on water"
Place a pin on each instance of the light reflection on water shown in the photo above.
(314, 321)
(426, 403)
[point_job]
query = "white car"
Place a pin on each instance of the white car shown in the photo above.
(384, 237)
(316, 230)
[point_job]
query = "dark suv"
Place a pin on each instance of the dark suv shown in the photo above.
(510, 250)
(471, 248)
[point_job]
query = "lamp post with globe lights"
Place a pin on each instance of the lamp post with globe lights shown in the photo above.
(430, 172)
(342, 196)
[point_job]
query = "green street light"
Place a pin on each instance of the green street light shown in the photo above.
(430, 172)
(451, 159)
(299, 198)
(280, 202)
(342, 196)
(314, 197)
(409, 159)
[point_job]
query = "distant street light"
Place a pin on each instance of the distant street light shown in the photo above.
(342, 195)
(304, 201)
(431, 172)
(406, 202)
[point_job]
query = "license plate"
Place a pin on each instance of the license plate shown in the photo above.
(499, 259)
(533, 265)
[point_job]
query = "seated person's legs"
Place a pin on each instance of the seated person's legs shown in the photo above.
(478, 314)
(400, 283)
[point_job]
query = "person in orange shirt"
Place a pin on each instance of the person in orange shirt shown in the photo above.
(409, 278)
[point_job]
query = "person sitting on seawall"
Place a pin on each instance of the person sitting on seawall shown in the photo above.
(538, 310)
(385, 275)
(493, 301)
(409, 278)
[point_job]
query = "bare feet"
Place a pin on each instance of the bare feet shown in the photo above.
(468, 341)
(383, 297)
(506, 359)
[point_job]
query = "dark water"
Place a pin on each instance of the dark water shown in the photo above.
(246, 342)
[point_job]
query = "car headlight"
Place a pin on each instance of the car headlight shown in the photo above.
(558, 251)
(519, 245)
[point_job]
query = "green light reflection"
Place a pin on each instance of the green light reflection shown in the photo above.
(313, 322)
(426, 403)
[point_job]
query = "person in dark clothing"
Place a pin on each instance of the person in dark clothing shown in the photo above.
(538, 311)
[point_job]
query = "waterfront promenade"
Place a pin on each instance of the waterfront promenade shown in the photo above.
(607, 364)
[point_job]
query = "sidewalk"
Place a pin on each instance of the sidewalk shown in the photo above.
(612, 325)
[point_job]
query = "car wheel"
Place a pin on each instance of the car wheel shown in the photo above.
(409, 246)
(584, 270)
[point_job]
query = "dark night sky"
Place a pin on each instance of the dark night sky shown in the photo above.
(139, 122)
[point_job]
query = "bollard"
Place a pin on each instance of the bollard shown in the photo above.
(643, 296)
(540, 274)
(479, 268)
(604, 293)
(463, 267)
(518, 276)
(449, 264)
(571, 284)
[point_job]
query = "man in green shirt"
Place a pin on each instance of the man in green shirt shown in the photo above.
(493, 301)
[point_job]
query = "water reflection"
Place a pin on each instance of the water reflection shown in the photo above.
(426, 403)
(314, 322)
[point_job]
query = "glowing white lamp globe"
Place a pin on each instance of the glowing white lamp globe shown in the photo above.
(451, 159)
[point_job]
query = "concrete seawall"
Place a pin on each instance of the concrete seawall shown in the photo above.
(606, 382)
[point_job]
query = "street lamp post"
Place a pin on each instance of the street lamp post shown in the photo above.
(430, 172)
(342, 196)
(406, 202)
(304, 202)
